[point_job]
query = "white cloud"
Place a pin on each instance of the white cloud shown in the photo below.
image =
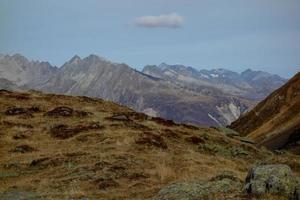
(172, 20)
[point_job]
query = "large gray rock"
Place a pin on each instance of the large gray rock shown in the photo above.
(273, 179)
(224, 184)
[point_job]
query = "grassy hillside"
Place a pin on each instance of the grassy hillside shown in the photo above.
(67, 147)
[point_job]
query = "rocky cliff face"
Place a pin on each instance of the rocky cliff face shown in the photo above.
(175, 92)
(275, 122)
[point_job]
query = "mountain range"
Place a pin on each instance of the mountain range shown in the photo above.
(183, 94)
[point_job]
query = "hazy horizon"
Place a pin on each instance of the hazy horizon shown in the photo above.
(260, 35)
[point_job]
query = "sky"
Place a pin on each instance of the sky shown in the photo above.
(205, 34)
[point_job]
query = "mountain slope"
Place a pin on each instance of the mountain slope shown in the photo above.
(68, 147)
(275, 122)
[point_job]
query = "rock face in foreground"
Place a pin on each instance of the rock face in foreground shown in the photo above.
(262, 180)
(272, 179)
(275, 122)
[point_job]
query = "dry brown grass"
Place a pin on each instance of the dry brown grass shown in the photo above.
(71, 168)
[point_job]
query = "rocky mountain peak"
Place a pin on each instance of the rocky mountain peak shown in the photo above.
(19, 59)
(163, 66)
(75, 60)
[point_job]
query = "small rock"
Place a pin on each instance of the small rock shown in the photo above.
(23, 149)
(15, 111)
(120, 117)
(244, 139)
(273, 179)
(60, 111)
(37, 161)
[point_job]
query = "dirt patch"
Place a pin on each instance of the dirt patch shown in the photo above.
(34, 109)
(195, 140)
(12, 124)
(164, 122)
(136, 126)
(151, 139)
(20, 136)
(105, 183)
(64, 111)
(62, 131)
(170, 134)
(19, 96)
(189, 126)
(137, 176)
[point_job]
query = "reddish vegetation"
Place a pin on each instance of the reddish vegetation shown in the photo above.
(62, 131)
(149, 138)
(195, 140)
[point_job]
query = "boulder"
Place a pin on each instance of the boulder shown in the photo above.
(195, 190)
(272, 179)
(60, 111)
(15, 111)
(23, 149)
(120, 118)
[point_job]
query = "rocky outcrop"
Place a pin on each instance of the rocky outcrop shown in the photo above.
(196, 190)
(272, 179)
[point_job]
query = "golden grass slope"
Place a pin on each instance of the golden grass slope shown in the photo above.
(67, 147)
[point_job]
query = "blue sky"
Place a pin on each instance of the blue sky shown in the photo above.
(233, 34)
